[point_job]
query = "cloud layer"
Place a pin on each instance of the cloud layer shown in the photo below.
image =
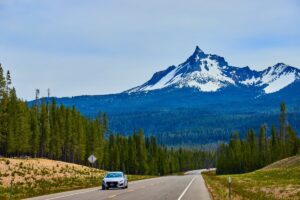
(97, 46)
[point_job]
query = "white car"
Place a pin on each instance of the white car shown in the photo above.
(114, 180)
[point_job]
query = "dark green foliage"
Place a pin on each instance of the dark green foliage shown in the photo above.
(62, 133)
(241, 156)
(187, 117)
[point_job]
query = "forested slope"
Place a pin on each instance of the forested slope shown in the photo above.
(57, 132)
(258, 150)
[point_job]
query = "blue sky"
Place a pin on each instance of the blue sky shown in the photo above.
(97, 46)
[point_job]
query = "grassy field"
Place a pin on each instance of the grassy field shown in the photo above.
(280, 180)
(34, 177)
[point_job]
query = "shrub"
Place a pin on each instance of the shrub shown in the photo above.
(7, 162)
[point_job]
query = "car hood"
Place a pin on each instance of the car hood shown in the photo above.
(113, 179)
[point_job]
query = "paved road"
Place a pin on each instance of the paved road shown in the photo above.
(188, 187)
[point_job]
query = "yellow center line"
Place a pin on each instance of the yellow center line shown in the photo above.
(112, 196)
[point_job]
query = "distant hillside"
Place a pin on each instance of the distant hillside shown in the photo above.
(188, 116)
(291, 162)
(280, 180)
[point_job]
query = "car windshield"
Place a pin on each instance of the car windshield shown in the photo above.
(114, 175)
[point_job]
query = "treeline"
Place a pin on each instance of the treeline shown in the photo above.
(62, 133)
(138, 155)
(194, 126)
(257, 151)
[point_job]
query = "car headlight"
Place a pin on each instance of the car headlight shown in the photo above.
(121, 181)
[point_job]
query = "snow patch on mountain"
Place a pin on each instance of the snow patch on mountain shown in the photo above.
(252, 81)
(280, 83)
(164, 82)
(211, 69)
(205, 87)
(278, 77)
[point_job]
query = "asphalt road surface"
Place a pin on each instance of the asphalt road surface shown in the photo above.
(188, 187)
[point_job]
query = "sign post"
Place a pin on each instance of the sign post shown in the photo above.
(229, 187)
(92, 159)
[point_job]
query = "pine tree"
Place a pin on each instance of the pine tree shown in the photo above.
(123, 152)
(2, 83)
(8, 81)
(282, 132)
(292, 144)
(151, 145)
(81, 140)
(12, 123)
(55, 127)
(105, 122)
(132, 161)
(23, 133)
(35, 133)
(282, 121)
(222, 159)
(4, 118)
(4, 101)
(141, 153)
(274, 145)
(45, 131)
(262, 147)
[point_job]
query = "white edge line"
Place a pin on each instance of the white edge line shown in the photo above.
(133, 182)
(187, 187)
(71, 194)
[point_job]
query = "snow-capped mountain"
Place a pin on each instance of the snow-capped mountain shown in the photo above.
(211, 73)
(200, 101)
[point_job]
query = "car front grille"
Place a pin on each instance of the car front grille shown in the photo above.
(112, 184)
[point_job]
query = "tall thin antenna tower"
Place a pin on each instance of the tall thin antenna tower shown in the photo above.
(48, 104)
(37, 94)
(48, 93)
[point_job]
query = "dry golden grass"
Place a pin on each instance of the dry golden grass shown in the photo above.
(30, 170)
(293, 161)
(34, 177)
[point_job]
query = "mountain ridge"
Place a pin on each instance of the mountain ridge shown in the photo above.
(210, 72)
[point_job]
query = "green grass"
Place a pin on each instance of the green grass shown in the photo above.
(277, 181)
(139, 177)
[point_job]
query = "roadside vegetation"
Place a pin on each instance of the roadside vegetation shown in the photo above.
(258, 150)
(280, 180)
(47, 130)
(274, 154)
(34, 177)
